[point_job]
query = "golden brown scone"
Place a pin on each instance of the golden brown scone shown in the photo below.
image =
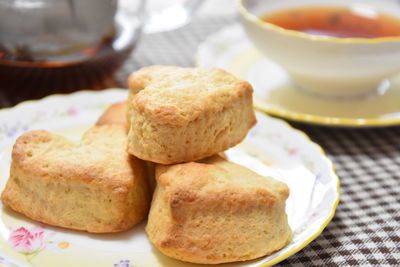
(186, 114)
(114, 114)
(94, 186)
(216, 211)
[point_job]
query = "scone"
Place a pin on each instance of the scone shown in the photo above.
(114, 114)
(216, 211)
(186, 114)
(94, 186)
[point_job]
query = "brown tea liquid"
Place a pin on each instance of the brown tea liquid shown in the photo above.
(90, 68)
(336, 21)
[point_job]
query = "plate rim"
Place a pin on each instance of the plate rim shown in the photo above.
(313, 119)
(326, 121)
(306, 138)
(334, 206)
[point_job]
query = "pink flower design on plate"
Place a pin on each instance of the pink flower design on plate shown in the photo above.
(72, 111)
(27, 241)
(293, 151)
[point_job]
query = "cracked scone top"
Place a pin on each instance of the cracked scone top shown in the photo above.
(216, 211)
(184, 114)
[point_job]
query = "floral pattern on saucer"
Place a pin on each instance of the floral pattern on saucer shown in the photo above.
(271, 148)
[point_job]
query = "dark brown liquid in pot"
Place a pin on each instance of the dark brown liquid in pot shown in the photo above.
(22, 76)
(336, 21)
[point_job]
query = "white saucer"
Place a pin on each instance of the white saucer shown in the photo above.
(275, 94)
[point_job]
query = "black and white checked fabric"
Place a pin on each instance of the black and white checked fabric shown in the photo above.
(366, 228)
(174, 48)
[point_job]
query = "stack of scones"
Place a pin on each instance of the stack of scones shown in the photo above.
(174, 126)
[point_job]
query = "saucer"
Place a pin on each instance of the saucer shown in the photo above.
(275, 94)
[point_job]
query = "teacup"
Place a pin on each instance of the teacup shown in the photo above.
(322, 64)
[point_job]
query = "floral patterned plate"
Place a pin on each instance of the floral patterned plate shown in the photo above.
(271, 148)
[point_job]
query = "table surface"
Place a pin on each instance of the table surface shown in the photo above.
(366, 228)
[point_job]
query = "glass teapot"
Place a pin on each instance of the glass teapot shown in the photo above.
(51, 46)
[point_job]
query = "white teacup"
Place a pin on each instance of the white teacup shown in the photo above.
(325, 65)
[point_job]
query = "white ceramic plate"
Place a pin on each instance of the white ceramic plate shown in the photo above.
(275, 94)
(271, 148)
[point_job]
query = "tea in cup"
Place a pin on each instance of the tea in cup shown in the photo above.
(340, 48)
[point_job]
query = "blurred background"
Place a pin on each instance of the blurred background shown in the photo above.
(67, 45)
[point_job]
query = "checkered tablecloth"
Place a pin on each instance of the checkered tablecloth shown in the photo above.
(366, 228)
